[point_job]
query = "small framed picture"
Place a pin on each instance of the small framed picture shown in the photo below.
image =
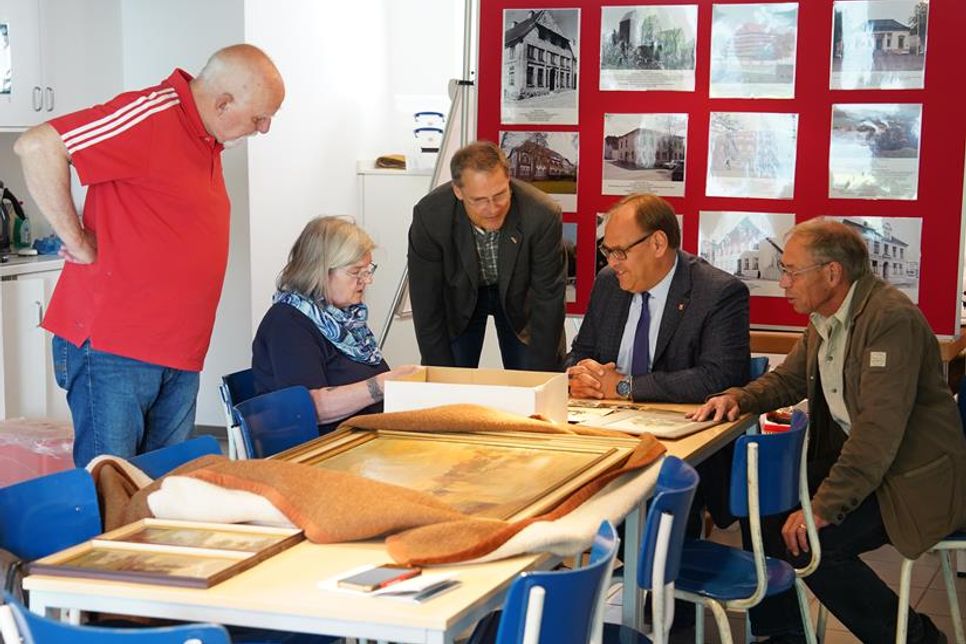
(172, 553)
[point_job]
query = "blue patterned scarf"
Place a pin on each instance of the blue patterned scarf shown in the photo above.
(345, 328)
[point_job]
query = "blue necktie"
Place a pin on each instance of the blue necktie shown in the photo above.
(640, 356)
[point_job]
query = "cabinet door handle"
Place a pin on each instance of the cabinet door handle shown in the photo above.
(40, 312)
(38, 98)
(49, 98)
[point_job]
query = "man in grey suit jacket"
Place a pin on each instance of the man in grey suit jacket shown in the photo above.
(698, 340)
(485, 245)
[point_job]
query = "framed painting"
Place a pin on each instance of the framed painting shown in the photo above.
(508, 476)
(174, 553)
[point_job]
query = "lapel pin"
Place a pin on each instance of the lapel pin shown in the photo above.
(513, 238)
(681, 306)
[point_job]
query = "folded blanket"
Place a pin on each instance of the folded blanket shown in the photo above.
(334, 506)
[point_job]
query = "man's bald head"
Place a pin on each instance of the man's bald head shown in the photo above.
(238, 92)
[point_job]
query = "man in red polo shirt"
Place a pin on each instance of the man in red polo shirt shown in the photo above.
(133, 311)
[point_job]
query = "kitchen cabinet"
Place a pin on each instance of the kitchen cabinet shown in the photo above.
(27, 384)
(63, 54)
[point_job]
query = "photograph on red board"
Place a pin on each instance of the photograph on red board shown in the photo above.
(548, 160)
(753, 50)
(746, 244)
(540, 56)
(879, 45)
(648, 47)
(644, 153)
(894, 248)
(752, 155)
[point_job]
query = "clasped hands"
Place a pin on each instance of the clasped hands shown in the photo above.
(591, 379)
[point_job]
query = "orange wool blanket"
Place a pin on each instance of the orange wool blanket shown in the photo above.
(334, 506)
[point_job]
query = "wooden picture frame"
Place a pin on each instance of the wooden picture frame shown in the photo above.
(172, 553)
(505, 475)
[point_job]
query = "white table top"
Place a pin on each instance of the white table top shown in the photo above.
(282, 593)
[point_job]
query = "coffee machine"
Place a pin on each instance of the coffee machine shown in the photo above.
(10, 209)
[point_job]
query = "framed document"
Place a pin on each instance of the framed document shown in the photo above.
(507, 476)
(173, 553)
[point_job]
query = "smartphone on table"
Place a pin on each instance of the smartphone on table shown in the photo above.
(378, 577)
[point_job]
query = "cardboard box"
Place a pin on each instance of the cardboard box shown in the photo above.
(518, 392)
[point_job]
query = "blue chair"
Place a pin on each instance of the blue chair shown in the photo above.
(559, 606)
(661, 545)
(273, 422)
(46, 514)
(768, 477)
(33, 629)
(159, 462)
(758, 367)
(235, 388)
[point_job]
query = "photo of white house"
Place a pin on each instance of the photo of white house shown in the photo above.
(894, 248)
(879, 44)
(644, 153)
(746, 244)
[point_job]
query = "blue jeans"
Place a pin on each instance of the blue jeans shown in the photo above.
(123, 406)
(468, 345)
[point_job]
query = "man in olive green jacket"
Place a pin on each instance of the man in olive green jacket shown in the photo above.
(887, 454)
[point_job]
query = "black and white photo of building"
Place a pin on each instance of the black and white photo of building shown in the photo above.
(648, 47)
(879, 44)
(746, 244)
(894, 249)
(540, 73)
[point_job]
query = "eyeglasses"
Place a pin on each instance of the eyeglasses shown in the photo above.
(363, 274)
(620, 254)
(499, 200)
(791, 274)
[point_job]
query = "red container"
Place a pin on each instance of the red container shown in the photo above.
(31, 447)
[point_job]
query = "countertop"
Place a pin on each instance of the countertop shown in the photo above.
(25, 265)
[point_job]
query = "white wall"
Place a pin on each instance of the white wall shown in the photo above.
(353, 73)
(156, 38)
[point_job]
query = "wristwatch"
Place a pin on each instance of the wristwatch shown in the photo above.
(624, 387)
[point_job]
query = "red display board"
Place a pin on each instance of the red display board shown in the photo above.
(939, 201)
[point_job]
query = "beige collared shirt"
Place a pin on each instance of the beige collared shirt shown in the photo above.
(834, 331)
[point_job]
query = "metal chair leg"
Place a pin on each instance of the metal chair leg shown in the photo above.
(902, 619)
(721, 619)
(803, 609)
(950, 581)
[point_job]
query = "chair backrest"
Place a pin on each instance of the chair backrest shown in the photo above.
(758, 367)
(236, 388)
(34, 629)
(673, 494)
(559, 606)
(159, 462)
(276, 421)
(49, 513)
(779, 465)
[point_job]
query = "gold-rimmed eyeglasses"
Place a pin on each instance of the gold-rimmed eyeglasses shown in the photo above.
(363, 274)
(791, 273)
(620, 254)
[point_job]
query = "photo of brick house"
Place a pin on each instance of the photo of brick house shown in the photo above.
(548, 160)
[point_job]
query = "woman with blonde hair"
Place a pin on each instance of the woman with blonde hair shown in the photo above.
(316, 334)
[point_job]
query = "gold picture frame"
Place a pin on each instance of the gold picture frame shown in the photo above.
(172, 553)
(506, 475)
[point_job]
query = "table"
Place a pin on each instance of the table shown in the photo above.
(282, 592)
